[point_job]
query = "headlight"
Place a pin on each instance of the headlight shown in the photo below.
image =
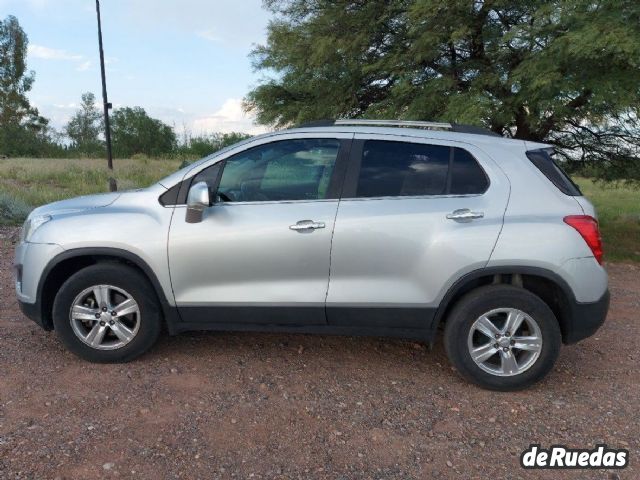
(32, 224)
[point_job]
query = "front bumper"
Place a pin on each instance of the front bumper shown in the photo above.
(33, 312)
(586, 319)
(29, 263)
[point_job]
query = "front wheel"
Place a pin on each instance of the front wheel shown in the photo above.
(107, 313)
(502, 337)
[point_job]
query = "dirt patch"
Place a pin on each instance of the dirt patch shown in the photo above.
(231, 405)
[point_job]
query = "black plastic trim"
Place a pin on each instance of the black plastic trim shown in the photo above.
(170, 197)
(416, 334)
(572, 327)
(170, 313)
(243, 314)
(414, 317)
(33, 312)
(587, 318)
(580, 320)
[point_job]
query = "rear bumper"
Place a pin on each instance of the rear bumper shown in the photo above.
(586, 319)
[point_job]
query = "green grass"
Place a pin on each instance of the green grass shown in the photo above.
(618, 209)
(26, 183)
(40, 181)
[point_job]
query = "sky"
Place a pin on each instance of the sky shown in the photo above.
(184, 61)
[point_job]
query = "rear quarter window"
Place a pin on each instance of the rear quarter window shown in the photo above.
(467, 176)
(544, 162)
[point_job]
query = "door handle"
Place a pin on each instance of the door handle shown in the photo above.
(465, 215)
(304, 225)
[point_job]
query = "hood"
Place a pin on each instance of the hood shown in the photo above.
(77, 204)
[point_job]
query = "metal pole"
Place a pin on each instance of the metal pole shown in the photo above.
(107, 126)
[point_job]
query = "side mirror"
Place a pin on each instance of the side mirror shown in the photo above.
(197, 200)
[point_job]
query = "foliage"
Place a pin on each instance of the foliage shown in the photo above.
(22, 129)
(563, 71)
(133, 131)
(13, 210)
(85, 127)
(195, 147)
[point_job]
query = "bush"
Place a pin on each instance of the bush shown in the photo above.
(13, 211)
(141, 157)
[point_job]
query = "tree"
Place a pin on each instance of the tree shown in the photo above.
(562, 71)
(85, 127)
(203, 145)
(22, 129)
(133, 131)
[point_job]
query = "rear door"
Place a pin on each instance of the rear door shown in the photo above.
(415, 216)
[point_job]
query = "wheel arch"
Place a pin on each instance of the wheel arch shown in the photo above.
(62, 266)
(547, 285)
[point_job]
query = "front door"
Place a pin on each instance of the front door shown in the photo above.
(261, 253)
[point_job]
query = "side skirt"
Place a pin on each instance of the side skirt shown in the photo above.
(414, 334)
(408, 322)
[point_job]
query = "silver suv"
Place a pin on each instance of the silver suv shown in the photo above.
(348, 227)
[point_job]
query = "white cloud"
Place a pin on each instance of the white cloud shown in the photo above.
(82, 63)
(209, 35)
(236, 23)
(46, 53)
(84, 66)
(229, 118)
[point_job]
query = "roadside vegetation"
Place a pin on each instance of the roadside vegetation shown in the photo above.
(618, 206)
(26, 183)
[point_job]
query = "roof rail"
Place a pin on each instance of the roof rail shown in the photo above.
(396, 123)
(451, 127)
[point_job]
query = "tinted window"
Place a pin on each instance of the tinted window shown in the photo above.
(397, 169)
(210, 177)
(467, 177)
(287, 170)
(544, 162)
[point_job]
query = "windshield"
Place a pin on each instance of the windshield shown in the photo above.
(175, 177)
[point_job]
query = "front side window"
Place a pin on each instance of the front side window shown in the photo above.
(401, 169)
(280, 171)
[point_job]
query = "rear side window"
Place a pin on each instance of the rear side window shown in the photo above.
(399, 169)
(543, 160)
(467, 177)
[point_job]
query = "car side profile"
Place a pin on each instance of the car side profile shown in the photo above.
(352, 227)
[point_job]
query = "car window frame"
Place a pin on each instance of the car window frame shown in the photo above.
(350, 188)
(336, 183)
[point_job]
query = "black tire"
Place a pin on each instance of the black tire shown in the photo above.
(482, 300)
(120, 276)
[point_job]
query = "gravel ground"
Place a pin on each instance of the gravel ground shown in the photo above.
(207, 405)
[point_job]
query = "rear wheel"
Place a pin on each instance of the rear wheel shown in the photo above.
(502, 337)
(107, 313)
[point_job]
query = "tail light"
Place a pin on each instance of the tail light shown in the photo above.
(588, 228)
